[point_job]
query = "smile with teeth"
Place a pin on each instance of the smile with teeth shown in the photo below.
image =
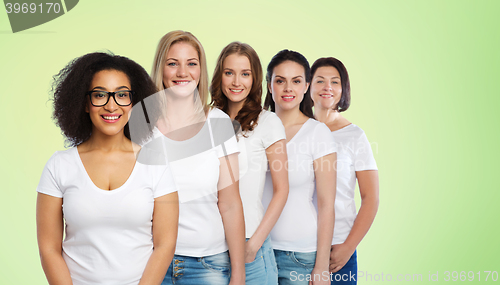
(181, 82)
(288, 97)
(111, 117)
(326, 95)
(236, 90)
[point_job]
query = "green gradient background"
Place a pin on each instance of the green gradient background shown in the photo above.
(423, 90)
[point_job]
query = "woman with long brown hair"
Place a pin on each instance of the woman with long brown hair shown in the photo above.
(237, 90)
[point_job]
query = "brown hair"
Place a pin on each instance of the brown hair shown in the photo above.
(164, 45)
(345, 97)
(249, 113)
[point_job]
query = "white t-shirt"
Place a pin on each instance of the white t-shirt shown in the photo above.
(296, 228)
(253, 166)
(108, 233)
(354, 154)
(195, 167)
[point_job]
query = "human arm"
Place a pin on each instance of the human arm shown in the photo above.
(326, 181)
(50, 228)
(277, 158)
(165, 222)
(231, 211)
(369, 192)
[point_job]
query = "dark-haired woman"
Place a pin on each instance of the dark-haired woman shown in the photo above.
(330, 91)
(119, 216)
(237, 90)
(302, 236)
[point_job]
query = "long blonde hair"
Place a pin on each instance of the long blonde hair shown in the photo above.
(173, 37)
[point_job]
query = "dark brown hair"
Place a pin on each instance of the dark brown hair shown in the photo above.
(289, 55)
(345, 98)
(249, 113)
(73, 81)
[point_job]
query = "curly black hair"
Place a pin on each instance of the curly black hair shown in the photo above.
(73, 81)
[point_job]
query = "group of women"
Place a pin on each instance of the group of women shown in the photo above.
(161, 187)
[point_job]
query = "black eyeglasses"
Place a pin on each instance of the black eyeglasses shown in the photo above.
(100, 98)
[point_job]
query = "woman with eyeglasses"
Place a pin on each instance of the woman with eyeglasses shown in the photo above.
(237, 90)
(301, 237)
(331, 93)
(119, 216)
(201, 148)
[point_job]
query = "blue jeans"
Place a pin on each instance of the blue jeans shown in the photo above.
(294, 267)
(262, 271)
(348, 275)
(210, 270)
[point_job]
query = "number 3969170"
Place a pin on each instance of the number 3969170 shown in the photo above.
(33, 8)
(470, 276)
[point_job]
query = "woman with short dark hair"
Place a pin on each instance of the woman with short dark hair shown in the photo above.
(331, 93)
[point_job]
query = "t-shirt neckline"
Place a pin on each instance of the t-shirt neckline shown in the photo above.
(299, 131)
(343, 128)
(82, 167)
(205, 125)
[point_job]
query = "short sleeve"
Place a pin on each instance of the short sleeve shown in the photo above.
(223, 135)
(323, 142)
(165, 184)
(228, 147)
(48, 182)
(272, 129)
(363, 155)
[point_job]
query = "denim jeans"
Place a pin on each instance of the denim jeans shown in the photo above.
(262, 271)
(294, 267)
(207, 270)
(348, 275)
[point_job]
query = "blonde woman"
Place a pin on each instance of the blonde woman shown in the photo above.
(201, 148)
(237, 90)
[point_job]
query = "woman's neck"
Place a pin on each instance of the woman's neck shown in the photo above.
(180, 112)
(290, 117)
(234, 108)
(325, 115)
(106, 143)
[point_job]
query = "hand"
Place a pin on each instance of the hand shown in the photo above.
(250, 251)
(339, 256)
(324, 276)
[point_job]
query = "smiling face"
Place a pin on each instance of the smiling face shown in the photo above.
(111, 118)
(181, 72)
(288, 85)
(236, 77)
(326, 87)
